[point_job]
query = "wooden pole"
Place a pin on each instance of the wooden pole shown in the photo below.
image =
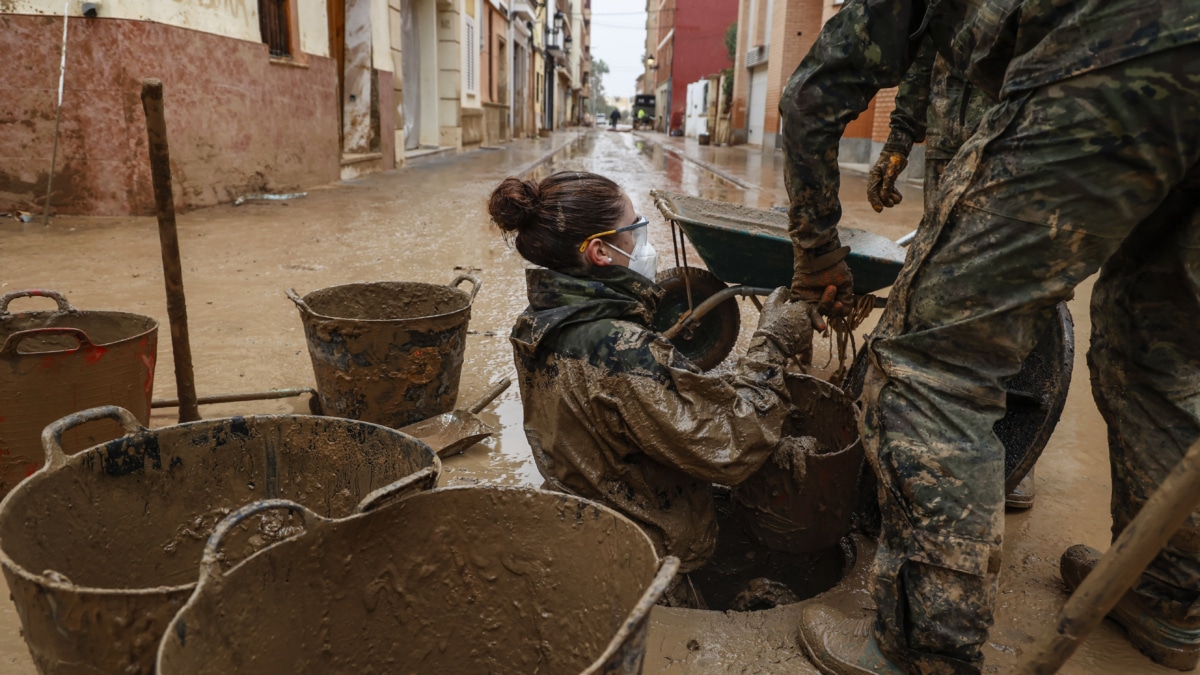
(1118, 570)
(164, 200)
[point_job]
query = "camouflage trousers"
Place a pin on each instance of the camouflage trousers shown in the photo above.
(1095, 173)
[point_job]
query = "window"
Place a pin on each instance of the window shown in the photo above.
(472, 55)
(275, 24)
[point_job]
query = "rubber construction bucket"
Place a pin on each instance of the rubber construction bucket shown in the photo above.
(100, 549)
(466, 580)
(388, 352)
(802, 499)
(54, 363)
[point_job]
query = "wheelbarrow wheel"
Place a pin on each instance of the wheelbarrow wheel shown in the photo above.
(710, 342)
(1035, 397)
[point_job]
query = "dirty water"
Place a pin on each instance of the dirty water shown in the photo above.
(428, 224)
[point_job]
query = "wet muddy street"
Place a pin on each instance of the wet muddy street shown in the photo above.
(428, 223)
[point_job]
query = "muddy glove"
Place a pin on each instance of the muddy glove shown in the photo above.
(788, 323)
(824, 281)
(881, 181)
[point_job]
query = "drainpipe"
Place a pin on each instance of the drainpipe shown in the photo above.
(511, 66)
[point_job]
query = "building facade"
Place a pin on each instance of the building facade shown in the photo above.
(685, 42)
(773, 37)
(270, 95)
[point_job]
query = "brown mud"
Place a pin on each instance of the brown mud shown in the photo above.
(472, 580)
(100, 550)
(420, 224)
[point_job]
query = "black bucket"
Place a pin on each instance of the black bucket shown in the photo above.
(471, 580)
(100, 549)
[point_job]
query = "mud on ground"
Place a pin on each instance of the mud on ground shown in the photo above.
(428, 223)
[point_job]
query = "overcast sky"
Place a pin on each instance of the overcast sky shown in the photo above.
(619, 38)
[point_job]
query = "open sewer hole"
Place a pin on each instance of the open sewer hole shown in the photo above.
(745, 576)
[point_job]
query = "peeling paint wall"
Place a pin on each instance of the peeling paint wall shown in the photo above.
(238, 122)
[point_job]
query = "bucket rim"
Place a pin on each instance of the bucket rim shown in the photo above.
(47, 469)
(83, 313)
(305, 308)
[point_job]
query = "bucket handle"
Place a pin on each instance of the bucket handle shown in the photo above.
(475, 284)
(210, 562)
(63, 305)
(295, 297)
(53, 433)
(10, 345)
(404, 488)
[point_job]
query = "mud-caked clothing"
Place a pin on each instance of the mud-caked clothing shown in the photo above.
(936, 105)
(613, 413)
(1089, 162)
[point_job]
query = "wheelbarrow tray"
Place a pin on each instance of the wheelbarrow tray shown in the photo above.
(751, 247)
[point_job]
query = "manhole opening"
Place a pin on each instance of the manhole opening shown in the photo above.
(733, 578)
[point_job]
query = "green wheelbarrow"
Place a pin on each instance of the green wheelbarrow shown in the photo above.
(747, 252)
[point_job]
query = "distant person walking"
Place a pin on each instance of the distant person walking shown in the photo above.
(614, 117)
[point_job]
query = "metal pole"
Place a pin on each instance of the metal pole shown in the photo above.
(164, 200)
(62, 74)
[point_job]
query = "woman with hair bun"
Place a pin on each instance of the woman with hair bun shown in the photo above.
(612, 412)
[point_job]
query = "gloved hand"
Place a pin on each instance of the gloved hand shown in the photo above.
(881, 181)
(788, 323)
(824, 282)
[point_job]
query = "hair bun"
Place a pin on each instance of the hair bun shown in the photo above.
(514, 204)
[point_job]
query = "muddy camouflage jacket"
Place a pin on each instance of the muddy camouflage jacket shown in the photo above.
(937, 105)
(1004, 47)
(614, 413)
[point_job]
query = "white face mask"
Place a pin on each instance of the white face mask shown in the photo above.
(644, 259)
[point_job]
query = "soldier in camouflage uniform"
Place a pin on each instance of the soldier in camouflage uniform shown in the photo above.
(1090, 162)
(612, 412)
(935, 105)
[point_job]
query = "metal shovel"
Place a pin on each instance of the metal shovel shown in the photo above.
(451, 433)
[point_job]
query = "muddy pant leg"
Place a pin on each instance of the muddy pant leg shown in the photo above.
(934, 168)
(1037, 201)
(1145, 367)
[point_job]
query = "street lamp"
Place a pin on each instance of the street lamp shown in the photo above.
(651, 63)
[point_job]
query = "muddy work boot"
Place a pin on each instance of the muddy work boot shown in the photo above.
(1021, 497)
(1172, 644)
(838, 644)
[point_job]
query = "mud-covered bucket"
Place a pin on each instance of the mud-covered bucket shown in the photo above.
(802, 500)
(54, 363)
(470, 580)
(388, 352)
(100, 549)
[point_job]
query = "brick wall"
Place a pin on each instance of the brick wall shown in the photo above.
(885, 103)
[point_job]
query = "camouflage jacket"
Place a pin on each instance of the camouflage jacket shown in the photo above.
(614, 413)
(1004, 47)
(936, 105)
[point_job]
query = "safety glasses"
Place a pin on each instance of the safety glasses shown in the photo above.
(640, 222)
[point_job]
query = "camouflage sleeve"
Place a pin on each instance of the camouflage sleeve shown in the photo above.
(703, 424)
(908, 119)
(865, 47)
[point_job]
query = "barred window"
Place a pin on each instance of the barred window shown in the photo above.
(274, 22)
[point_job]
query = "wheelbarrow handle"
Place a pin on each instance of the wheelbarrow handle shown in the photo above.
(425, 479)
(475, 284)
(210, 561)
(14, 340)
(53, 433)
(59, 298)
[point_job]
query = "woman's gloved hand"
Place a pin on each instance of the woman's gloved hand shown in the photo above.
(881, 181)
(788, 323)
